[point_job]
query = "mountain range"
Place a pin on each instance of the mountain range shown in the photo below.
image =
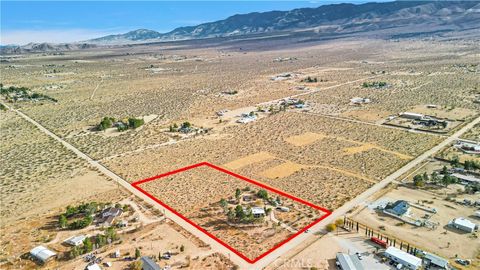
(326, 19)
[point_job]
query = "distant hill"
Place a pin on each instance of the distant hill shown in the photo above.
(407, 17)
(338, 18)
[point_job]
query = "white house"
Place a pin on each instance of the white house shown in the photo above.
(42, 254)
(258, 212)
(401, 257)
(75, 240)
(93, 267)
(463, 224)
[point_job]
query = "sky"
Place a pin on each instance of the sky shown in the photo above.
(67, 21)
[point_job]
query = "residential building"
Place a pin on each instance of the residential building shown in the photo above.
(401, 257)
(111, 212)
(258, 212)
(398, 208)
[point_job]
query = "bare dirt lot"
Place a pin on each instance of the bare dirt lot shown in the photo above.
(442, 240)
(197, 194)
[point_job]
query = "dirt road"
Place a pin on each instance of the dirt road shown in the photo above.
(338, 213)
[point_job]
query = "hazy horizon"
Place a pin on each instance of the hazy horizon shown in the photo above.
(24, 22)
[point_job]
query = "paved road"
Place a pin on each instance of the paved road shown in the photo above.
(338, 213)
(215, 245)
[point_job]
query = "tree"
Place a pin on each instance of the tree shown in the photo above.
(238, 192)
(182, 248)
(331, 227)
(137, 253)
(262, 193)
(434, 177)
(418, 181)
(186, 125)
(87, 245)
(62, 221)
(136, 265)
(448, 179)
(239, 213)
(74, 252)
(223, 204)
(111, 234)
(455, 162)
(106, 122)
(444, 170)
(100, 240)
(230, 214)
(135, 123)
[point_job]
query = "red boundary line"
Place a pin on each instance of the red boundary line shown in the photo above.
(137, 183)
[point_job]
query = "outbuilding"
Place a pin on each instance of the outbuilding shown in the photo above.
(463, 224)
(75, 240)
(436, 261)
(349, 262)
(42, 254)
(149, 264)
(411, 115)
(401, 257)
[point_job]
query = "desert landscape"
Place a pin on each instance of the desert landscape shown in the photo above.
(331, 120)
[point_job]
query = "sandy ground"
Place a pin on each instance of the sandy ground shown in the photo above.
(443, 240)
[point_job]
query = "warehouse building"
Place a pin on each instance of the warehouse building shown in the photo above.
(349, 262)
(403, 259)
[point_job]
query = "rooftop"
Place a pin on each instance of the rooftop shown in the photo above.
(403, 256)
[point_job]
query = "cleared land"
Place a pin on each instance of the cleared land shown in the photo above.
(197, 194)
(323, 160)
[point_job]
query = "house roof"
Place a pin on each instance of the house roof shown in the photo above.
(94, 267)
(75, 239)
(148, 264)
(42, 253)
(112, 211)
(436, 260)
(403, 256)
(258, 211)
(399, 207)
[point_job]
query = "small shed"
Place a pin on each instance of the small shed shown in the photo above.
(75, 240)
(42, 254)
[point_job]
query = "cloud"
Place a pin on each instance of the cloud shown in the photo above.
(22, 37)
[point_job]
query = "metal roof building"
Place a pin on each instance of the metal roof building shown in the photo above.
(148, 264)
(407, 260)
(398, 208)
(463, 224)
(42, 253)
(349, 262)
(432, 259)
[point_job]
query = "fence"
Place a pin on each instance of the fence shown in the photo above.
(369, 232)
